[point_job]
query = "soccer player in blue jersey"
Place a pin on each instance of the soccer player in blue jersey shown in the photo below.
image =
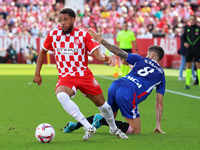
(127, 92)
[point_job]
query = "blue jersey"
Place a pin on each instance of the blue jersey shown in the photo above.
(145, 74)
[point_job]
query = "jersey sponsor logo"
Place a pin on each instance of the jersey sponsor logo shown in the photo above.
(136, 81)
(95, 83)
(64, 51)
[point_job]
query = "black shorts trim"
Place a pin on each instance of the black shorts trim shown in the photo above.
(192, 56)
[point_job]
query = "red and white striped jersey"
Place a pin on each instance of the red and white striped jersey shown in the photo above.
(71, 51)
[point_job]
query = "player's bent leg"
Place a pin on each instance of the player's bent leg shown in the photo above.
(115, 114)
(135, 124)
(104, 108)
(97, 121)
(107, 113)
(70, 127)
(71, 108)
(98, 100)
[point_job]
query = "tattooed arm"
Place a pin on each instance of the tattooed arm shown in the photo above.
(159, 111)
(114, 49)
(111, 47)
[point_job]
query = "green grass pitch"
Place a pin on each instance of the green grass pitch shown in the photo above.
(24, 105)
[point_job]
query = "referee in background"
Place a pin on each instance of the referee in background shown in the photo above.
(191, 38)
(125, 40)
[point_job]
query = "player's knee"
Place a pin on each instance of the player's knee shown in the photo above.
(98, 100)
(62, 97)
(136, 131)
(104, 107)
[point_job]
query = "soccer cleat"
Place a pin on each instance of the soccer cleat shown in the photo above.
(89, 132)
(119, 134)
(69, 127)
(187, 87)
(96, 121)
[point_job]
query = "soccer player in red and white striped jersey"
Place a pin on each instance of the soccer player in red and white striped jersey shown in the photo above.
(71, 47)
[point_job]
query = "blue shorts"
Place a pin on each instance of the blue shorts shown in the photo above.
(121, 95)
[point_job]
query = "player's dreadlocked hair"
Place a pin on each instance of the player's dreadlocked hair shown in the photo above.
(158, 50)
(68, 11)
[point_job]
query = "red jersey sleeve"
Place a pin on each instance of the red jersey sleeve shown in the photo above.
(48, 43)
(90, 43)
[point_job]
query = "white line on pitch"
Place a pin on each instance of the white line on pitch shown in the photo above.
(183, 94)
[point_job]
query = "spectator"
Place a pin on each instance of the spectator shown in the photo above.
(12, 54)
(157, 33)
(152, 13)
(170, 34)
(2, 54)
(31, 55)
(181, 52)
(125, 40)
(35, 31)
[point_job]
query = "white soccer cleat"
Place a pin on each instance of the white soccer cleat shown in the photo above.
(89, 132)
(119, 134)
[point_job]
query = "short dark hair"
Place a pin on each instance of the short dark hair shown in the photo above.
(158, 50)
(68, 11)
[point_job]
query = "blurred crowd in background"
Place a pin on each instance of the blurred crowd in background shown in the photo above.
(146, 18)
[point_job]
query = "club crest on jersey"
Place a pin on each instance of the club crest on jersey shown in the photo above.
(77, 41)
(196, 31)
(95, 83)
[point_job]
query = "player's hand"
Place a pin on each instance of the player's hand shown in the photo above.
(108, 60)
(95, 35)
(158, 129)
(38, 79)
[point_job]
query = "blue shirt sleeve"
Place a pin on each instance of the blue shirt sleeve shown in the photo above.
(161, 87)
(133, 58)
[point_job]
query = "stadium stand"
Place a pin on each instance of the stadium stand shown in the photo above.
(146, 18)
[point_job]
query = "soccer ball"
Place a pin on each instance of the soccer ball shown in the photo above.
(44, 133)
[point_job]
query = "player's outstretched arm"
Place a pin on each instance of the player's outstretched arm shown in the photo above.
(111, 47)
(101, 57)
(38, 78)
(159, 111)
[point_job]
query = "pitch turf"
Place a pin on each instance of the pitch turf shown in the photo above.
(24, 105)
